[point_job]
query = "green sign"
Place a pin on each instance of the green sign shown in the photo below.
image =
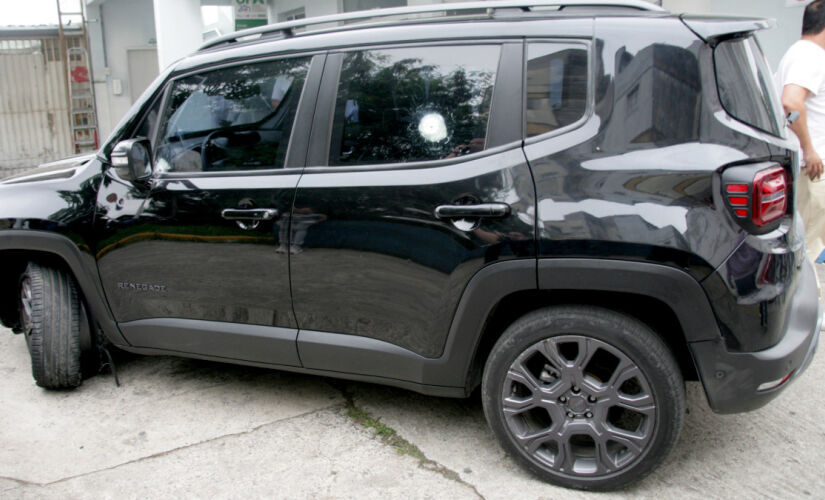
(250, 13)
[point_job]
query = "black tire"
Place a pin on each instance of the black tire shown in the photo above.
(601, 429)
(50, 315)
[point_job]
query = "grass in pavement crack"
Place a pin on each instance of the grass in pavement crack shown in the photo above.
(387, 434)
(390, 437)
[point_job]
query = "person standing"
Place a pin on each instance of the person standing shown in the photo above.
(801, 78)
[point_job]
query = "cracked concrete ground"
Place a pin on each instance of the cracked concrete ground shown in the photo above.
(180, 427)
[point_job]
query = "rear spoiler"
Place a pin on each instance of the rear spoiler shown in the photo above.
(713, 29)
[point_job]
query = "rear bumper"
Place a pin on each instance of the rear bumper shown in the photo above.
(732, 380)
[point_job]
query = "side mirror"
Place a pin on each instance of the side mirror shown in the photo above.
(131, 159)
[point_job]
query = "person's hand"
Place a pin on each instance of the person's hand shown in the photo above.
(813, 165)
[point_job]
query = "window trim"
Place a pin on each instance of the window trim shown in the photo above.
(159, 98)
(311, 103)
(321, 137)
(414, 165)
(589, 106)
(506, 122)
(164, 100)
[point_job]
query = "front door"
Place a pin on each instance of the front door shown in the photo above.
(196, 259)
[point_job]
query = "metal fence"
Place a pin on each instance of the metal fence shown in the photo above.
(34, 116)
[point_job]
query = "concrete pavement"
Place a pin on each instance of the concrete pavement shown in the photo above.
(179, 427)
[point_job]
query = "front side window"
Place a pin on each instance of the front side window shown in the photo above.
(746, 88)
(237, 118)
(413, 104)
(556, 86)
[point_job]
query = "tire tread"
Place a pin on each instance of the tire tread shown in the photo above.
(54, 342)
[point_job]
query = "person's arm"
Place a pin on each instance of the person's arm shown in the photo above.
(793, 99)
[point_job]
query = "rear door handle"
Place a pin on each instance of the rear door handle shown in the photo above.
(249, 214)
(481, 210)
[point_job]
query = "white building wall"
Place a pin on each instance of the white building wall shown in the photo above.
(316, 8)
(313, 8)
(179, 29)
(774, 42)
(120, 25)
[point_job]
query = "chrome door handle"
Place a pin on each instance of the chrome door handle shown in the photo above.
(249, 214)
(486, 210)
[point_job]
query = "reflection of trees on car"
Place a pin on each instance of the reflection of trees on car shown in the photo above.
(392, 97)
(235, 118)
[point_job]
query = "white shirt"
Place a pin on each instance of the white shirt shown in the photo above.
(804, 65)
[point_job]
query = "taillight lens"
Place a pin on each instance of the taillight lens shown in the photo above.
(763, 200)
(770, 200)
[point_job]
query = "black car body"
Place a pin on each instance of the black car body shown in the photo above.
(638, 196)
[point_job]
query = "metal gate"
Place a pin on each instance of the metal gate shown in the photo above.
(34, 114)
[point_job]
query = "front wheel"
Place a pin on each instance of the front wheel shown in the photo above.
(584, 397)
(50, 317)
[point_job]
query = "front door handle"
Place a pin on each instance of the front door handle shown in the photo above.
(480, 210)
(249, 214)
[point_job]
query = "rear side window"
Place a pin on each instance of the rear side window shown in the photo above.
(746, 88)
(237, 118)
(556, 86)
(413, 104)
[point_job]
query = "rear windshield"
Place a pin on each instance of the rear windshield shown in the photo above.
(746, 88)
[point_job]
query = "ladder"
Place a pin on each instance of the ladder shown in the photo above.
(80, 91)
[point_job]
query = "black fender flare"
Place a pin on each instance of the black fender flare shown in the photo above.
(674, 287)
(81, 264)
(485, 290)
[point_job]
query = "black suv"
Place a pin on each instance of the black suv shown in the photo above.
(574, 206)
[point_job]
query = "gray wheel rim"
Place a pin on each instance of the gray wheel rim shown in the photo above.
(578, 407)
(26, 305)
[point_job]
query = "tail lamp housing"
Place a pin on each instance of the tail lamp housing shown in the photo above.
(757, 195)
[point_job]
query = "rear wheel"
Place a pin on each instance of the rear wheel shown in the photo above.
(50, 317)
(584, 397)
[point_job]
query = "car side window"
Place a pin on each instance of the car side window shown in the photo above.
(236, 118)
(746, 89)
(413, 104)
(556, 86)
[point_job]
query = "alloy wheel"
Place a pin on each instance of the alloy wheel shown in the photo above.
(578, 406)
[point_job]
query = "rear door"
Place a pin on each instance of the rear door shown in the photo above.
(415, 180)
(196, 259)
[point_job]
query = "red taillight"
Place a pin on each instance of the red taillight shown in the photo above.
(764, 200)
(770, 200)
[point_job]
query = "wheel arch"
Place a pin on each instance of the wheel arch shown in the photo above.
(668, 300)
(18, 247)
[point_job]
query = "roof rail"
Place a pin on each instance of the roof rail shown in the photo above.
(286, 29)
